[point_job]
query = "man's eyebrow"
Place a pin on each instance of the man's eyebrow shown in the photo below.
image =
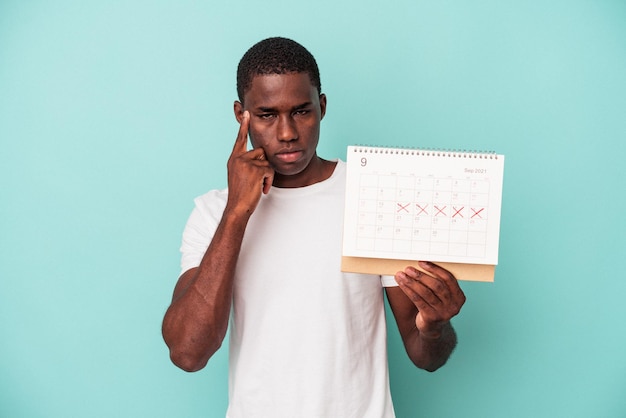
(265, 109)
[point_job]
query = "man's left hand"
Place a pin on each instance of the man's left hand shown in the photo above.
(436, 294)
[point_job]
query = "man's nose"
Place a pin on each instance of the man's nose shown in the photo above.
(287, 129)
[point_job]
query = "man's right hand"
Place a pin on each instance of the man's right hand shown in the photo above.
(249, 173)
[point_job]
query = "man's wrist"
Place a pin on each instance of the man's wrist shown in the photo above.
(236, 215)
(432, 333)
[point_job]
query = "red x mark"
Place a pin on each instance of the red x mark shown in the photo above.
(403, 208)
(458, 211)
(422, 209)
(477, 213)
(440, 210)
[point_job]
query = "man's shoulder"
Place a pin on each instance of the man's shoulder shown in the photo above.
(213, 194)
(212, 200)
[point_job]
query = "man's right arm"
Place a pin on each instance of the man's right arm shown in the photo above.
(196, 322)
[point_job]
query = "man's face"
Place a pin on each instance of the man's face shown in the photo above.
(285, 114)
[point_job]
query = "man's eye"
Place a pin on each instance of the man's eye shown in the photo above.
(266, 115)
(301, 112)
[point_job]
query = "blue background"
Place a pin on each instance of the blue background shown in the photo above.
(114, 115)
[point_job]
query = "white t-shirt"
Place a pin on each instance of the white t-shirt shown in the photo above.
(306, 340)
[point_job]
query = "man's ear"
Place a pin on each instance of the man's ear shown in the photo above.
(238, 109)
(322, 105)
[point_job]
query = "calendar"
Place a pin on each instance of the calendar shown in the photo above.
(410, 204)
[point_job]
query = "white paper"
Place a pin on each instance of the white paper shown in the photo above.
(423, 205)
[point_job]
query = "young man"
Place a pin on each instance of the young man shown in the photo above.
(306, 339)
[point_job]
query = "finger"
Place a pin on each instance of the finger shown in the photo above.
(241, 143)
(439, 289)
(436, 270)
(431, 309)
(267, 181)
(429, 280)
(434, 290)
(258, 159)
(411, 283)
(257, 154)
(439, 272)
(448, 278)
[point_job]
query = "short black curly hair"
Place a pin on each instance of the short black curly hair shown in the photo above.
(276, 55)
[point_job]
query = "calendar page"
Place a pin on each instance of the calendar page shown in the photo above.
(413, 204)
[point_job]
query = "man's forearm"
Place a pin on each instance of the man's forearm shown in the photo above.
(430, 352)
(197, 320)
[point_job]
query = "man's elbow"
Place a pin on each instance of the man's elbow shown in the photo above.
(187, 361)
(187, 352)
(428, 366)
(191, 356)
(432, 367)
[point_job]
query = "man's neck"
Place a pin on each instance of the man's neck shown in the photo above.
(317, 171)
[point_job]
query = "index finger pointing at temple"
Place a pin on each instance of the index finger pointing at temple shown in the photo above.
(241, 143)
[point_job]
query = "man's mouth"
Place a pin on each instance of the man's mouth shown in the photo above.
(289, 156)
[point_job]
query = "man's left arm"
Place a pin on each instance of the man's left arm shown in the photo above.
(423, 305)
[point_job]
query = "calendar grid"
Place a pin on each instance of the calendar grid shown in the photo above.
(410, 215)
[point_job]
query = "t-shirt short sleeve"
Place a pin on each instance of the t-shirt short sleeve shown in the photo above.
(388, 281)
(201, 227)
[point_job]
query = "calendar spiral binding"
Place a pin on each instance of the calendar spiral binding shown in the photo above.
(427, 152)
